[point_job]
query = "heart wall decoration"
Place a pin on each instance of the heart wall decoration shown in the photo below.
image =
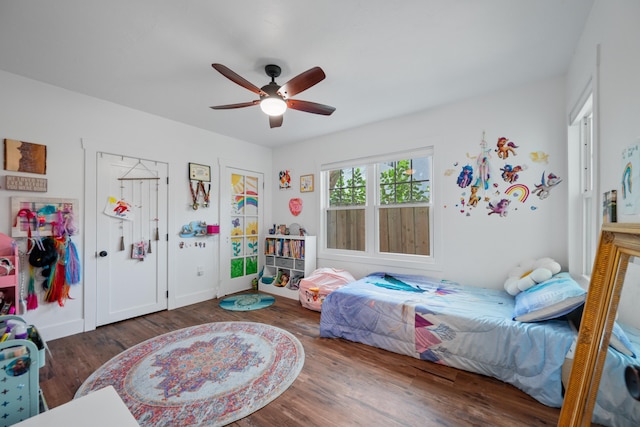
(295, 206)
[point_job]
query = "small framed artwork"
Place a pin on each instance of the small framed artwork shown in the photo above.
(284, 179)
(20, 156)
(306, 183)
(199, 172)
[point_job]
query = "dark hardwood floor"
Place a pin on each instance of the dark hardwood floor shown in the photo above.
(342, 383)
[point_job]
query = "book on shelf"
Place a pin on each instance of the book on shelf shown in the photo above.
(289, 248)
(609, 206)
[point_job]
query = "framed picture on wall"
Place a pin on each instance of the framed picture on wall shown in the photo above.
(306, 183)
(23, 156)
(199, 172)
(284, 179)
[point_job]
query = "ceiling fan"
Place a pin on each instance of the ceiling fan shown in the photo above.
(275, 99)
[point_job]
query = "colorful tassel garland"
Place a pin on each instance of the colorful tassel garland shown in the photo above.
(58, 287)
(73, 264)
(32, 297)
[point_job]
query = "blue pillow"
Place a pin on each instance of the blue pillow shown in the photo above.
(620, 341)
(549, 299)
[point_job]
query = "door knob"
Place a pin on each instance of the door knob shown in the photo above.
(103, 254)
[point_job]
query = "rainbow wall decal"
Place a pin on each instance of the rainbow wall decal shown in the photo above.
(520, 191)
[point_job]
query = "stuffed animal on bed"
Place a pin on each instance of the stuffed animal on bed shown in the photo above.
(530, 272)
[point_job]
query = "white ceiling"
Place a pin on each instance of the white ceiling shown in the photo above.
(382, 58)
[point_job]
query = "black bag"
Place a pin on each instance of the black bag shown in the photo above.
(44, 254)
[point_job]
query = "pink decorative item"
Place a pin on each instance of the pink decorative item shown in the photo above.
(213, 229)
(295, 206)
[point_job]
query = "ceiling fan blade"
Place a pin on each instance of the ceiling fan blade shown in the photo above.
(275, 121)
(236, 78)
(302, 82)
(240, 105)
(310, 107)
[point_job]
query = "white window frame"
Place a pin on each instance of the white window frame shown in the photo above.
(586, 194)
(589, 193)
(371, 254)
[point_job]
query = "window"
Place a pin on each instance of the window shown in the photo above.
(583, 235)
(588, 193)
(403, 209)
(345, 223)
(379, 208)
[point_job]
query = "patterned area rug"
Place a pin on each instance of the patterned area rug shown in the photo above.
(246, 302)
(206, 375)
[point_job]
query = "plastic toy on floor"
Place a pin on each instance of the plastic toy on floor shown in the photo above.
(315, 288)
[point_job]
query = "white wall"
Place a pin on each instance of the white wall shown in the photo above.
(478, 249)
(613, 25)
(73, 126)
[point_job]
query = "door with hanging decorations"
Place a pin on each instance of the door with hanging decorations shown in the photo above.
(131, 244)
(241, 221)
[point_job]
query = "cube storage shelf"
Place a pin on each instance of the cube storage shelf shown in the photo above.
(293, 256)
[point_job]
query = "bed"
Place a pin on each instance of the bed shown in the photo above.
(469, 328)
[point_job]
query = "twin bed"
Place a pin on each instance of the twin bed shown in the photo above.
(472, 329)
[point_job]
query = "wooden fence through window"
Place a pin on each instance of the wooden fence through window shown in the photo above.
(403, 230)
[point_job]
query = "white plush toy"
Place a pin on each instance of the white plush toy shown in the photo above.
(530, 272)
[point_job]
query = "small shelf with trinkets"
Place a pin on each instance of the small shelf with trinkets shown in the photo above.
(288, 259)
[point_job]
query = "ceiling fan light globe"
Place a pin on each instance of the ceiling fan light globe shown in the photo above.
(273, 106)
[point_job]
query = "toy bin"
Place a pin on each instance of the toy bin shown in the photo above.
(20, 363)
(32, 335)
(315, 288)
(19, 376)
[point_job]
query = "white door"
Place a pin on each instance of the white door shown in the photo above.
(131, 197)
(240, 226)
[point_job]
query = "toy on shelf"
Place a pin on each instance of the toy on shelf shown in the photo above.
(199, 229)
(293, 229)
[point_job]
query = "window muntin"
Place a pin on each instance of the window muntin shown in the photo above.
(347, 186)
(405, 181)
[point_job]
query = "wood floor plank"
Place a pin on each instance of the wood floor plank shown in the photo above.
(342, 383)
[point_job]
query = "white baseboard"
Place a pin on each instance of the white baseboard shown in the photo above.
(194, 298)
(61, 330)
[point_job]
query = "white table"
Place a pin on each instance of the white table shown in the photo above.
(101, 408)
